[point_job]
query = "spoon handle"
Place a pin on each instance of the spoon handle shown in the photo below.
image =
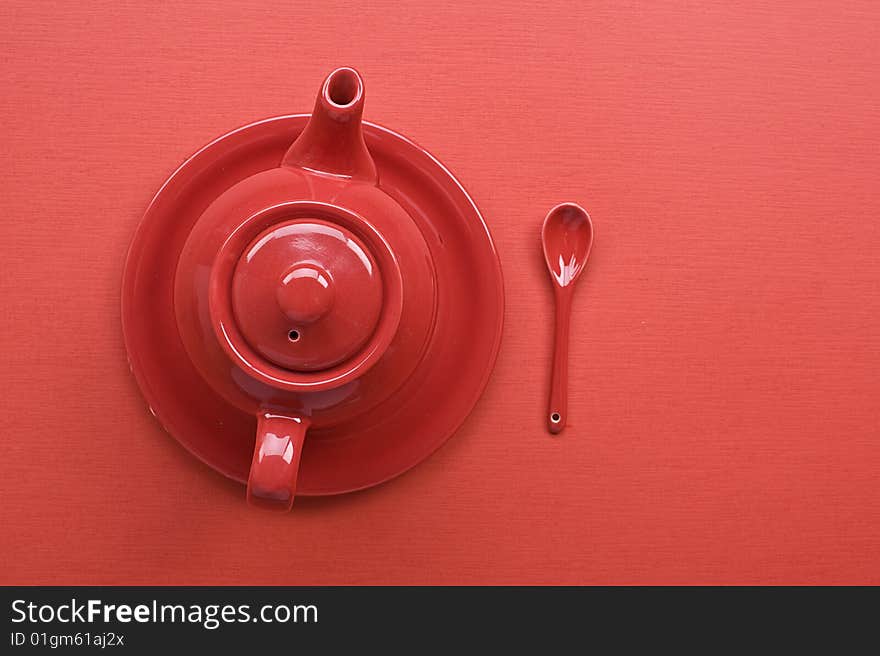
(557, 411)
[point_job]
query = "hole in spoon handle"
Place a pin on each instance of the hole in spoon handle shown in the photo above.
(555, 424)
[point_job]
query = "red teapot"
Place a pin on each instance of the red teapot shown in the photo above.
(295, 275)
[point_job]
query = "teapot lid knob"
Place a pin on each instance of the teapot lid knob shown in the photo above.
(305, 293)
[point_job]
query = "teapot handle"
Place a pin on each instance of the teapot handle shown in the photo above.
(275, 465)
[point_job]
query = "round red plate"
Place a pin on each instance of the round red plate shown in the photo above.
(406, 428)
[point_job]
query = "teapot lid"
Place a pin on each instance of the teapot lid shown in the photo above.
(306, 294)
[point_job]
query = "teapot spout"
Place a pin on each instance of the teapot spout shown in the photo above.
(333, 140)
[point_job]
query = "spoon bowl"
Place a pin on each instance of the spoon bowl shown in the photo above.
(567, 238)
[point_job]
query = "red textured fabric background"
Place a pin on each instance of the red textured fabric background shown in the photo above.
(724, 419)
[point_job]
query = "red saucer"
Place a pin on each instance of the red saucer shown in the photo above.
(400, 432)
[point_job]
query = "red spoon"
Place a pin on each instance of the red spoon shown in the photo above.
(567, 237)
